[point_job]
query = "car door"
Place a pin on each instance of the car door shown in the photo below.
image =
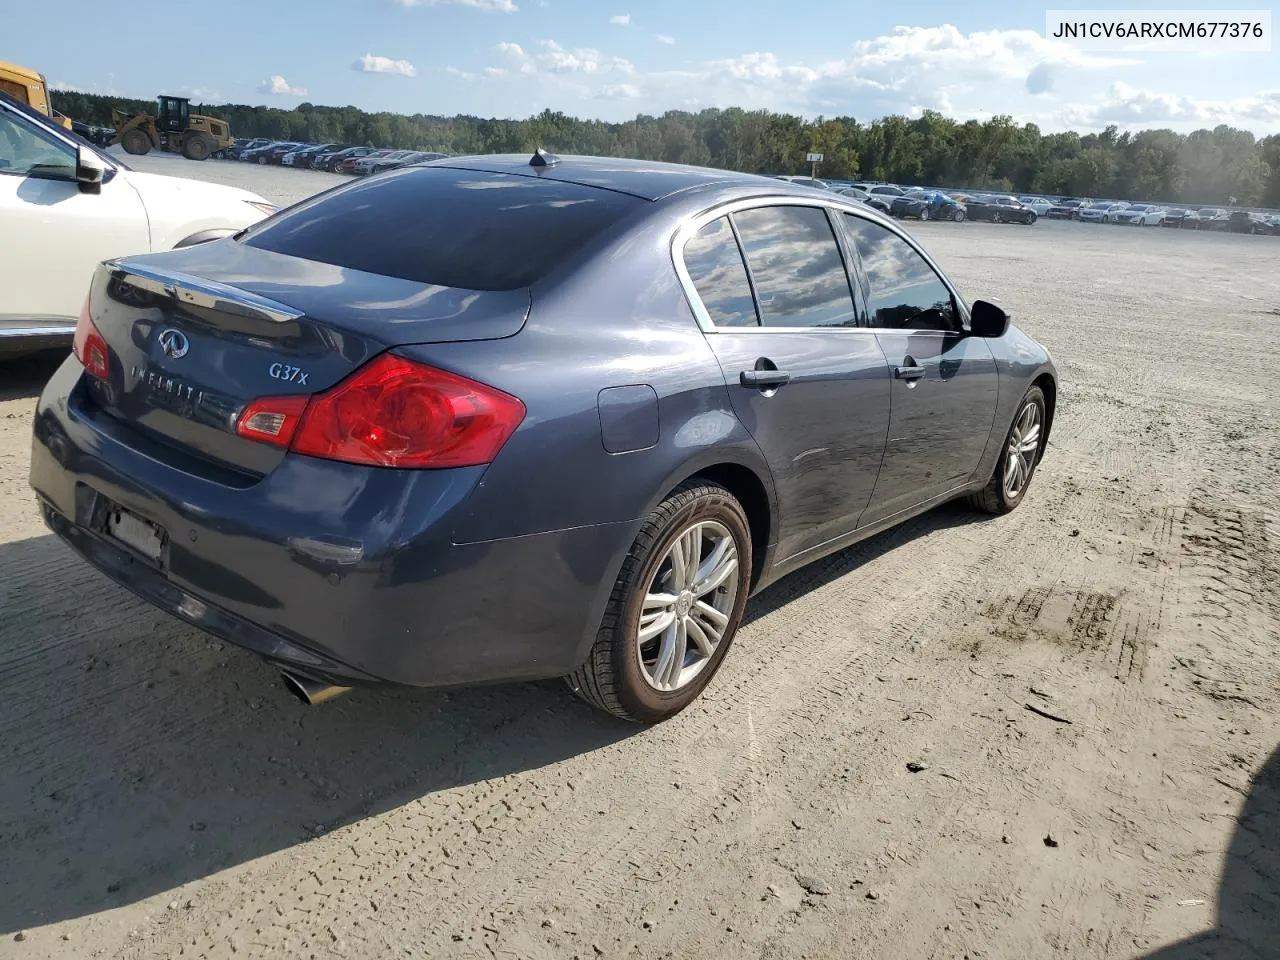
(944, 383)
(772, 290)
(55, 233)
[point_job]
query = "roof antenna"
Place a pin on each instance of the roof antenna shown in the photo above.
(541, 158)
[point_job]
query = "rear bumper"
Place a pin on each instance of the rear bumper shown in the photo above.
(347, 574)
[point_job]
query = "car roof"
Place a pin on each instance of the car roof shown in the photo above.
(646, 179)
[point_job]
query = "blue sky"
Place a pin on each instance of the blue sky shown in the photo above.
(614, 58)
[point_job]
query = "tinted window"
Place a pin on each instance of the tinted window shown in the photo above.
(455, 228)
(715, 265)
(904, 291)
(798, 271)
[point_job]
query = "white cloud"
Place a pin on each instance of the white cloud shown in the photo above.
(60, 85)
(621, 91)
(1127, 105)
(489, 6)
(278, 86)
(552, 58)
(665, 38)
(373, 64)
(460, 74)
(911, 69)
(621, 20)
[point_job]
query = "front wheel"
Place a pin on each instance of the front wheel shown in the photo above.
(675, 607)
(1031, 218)
(995, 217)
(135, 142)
(262, 161)
(958, 216)
(924, 214)
(1018, 459)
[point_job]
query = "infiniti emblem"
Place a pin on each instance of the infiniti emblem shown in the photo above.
(174, 343)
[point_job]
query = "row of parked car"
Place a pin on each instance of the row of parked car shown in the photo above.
(931, 203)
(332, 157)
(1156, 215)
(928, 203)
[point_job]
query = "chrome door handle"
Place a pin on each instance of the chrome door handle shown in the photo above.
(908, 372)
(763, 378)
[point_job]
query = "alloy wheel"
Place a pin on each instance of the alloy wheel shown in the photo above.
(1024, 445)
(687, 605)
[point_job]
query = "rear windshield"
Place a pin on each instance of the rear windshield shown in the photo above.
(454, 228)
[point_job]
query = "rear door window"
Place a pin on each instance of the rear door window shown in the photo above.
(454, 228)
(799, 274)
(715, 266)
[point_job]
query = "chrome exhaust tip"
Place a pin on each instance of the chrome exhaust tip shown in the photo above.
(310, 691)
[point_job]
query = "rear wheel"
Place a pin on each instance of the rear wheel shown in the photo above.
(262, 161)
(1018, 460)
(995, 216)
(197, 147)
(675, 607)
(135, 142)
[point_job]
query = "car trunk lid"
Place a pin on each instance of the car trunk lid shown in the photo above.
(198, 334)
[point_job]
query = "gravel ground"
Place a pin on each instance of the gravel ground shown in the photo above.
(161, 796)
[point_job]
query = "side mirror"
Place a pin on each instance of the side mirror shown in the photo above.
(987, 320)
(90, 170)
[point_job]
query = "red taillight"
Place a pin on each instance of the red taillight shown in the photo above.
(391, 413)
(89, 346)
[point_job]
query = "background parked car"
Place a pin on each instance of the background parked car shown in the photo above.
(1210, 218)
(1244, 221)
(1039, 204)
(364, 166)
(244, 146)
(1141, 215)
(331, 160)
(999, 210)
(73, 206)
(927, 206)
(302, 157)
(1180, 219)
(1067, 209)
(1103, 211)
(348, 163)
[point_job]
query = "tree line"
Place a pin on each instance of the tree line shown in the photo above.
(1203, 167)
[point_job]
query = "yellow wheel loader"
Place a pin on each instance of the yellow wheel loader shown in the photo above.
(174, 128)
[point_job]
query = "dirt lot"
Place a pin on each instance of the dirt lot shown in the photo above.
(160, 796)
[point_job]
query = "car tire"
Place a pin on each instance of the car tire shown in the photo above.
(616, 677)
(958, 216)
(135, 142)
(995, 216)
(1031, 218)
(262, 161)
(997, 496)
(924, 214)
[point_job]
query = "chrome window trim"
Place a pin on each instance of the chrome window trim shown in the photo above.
(200, 292)
(685, 232)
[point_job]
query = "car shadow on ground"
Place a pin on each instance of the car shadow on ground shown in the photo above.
(1248, 900)
(26, 376)
(140, 754)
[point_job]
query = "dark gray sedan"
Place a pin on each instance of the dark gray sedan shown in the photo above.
(495, 418)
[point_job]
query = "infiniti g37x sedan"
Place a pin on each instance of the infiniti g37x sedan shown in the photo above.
(494, 418)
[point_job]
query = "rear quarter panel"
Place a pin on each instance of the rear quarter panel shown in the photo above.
(614, 318)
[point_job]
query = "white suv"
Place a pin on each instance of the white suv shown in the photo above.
(65, 206)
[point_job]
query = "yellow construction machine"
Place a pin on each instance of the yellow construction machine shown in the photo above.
(174, 128)
(27, 86)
